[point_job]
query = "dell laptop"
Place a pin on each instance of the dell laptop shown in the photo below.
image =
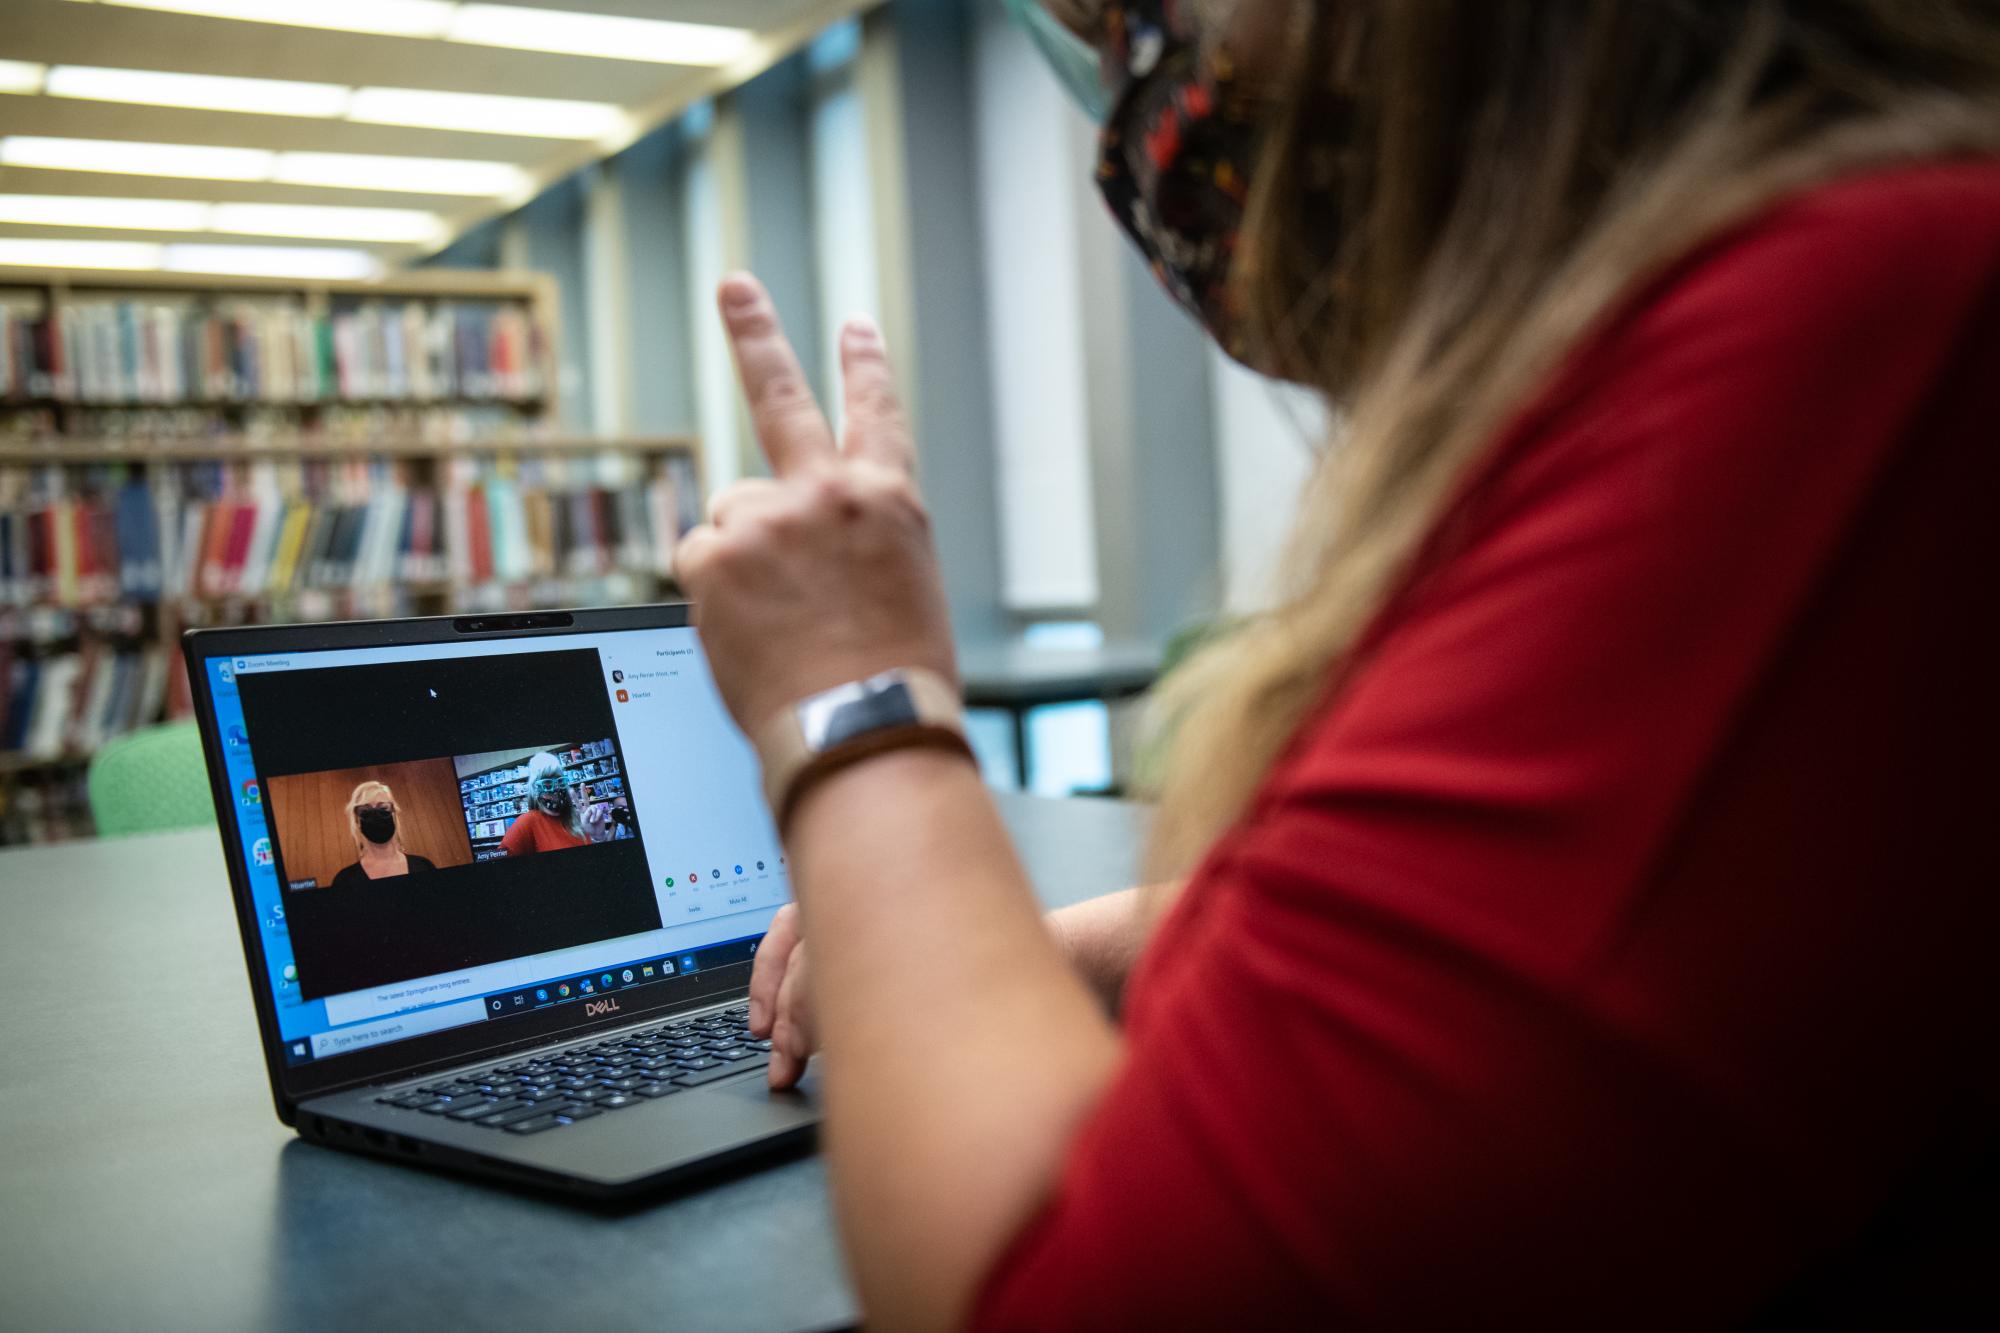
(500, 880)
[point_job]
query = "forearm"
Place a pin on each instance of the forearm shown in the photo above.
(963, 1048)
(1102, 937)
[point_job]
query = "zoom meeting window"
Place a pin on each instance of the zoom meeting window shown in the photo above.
(455, 833)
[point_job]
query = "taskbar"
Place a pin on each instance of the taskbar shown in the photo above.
(587, 986)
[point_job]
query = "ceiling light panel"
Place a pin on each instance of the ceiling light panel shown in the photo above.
(394, 18)
(21, 76)
(389, 226)
(82, 254)
(418, 175)
(272, 261)
(477, 113)
(385, 226)
(205, 92)
(137, 159)
(481, 113)
(609, 36)
(558, 31)
(67, 210)
(352, 171)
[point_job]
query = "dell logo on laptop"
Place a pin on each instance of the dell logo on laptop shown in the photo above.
(596, 1007)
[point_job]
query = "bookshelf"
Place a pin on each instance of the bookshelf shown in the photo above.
(179, 450)
(495, 795)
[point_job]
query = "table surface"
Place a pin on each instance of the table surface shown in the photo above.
(1013, 674)
(149, 1185)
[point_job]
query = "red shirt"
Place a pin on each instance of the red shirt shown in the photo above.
(534, 831)
(1610, 950)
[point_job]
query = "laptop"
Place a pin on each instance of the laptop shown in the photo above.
(500, 880)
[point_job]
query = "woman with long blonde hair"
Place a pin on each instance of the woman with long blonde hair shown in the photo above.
(374, 823)
(1576, 894)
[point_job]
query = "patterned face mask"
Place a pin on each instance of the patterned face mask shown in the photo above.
(1181, 130)
(1175, 153)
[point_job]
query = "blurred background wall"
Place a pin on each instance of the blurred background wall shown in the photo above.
(1102, 478)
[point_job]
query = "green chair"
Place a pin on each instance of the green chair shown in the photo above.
(150, 780)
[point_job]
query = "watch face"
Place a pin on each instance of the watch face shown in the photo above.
(841, 714)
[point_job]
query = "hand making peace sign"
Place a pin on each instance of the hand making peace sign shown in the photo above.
(825, 572)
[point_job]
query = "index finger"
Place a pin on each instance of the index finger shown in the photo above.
(789, 424)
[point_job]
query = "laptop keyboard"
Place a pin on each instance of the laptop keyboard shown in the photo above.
(558, 1088)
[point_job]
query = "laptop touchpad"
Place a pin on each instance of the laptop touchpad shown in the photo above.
(804, 1097)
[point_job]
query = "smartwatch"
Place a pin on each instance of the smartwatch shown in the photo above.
(825, 732)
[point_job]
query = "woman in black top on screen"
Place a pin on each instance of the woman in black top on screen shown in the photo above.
(371, 818)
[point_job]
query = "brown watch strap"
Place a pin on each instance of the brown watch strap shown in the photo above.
(828, 762)
(932, 716)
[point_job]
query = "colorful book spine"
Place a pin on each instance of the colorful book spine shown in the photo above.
(99, 351)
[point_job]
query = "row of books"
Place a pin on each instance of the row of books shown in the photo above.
(54, 626)
(492, 799)
(223, 430)
(488, 823)
(268, 350)
(512, 779)
(72, 702)
(270, 528)
(602, 783)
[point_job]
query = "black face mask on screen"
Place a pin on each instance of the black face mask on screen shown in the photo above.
(378, 826)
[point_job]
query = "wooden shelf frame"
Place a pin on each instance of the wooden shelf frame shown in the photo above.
(522, 403)
(427, 283)
(70, 452)
(13, 762)
(539, 291)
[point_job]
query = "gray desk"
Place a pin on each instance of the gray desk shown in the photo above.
(147, 1184)
(1016, 678)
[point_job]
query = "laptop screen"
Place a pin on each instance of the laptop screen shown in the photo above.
(444, 834)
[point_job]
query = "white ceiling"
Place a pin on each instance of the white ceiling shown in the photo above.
(73, 32)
